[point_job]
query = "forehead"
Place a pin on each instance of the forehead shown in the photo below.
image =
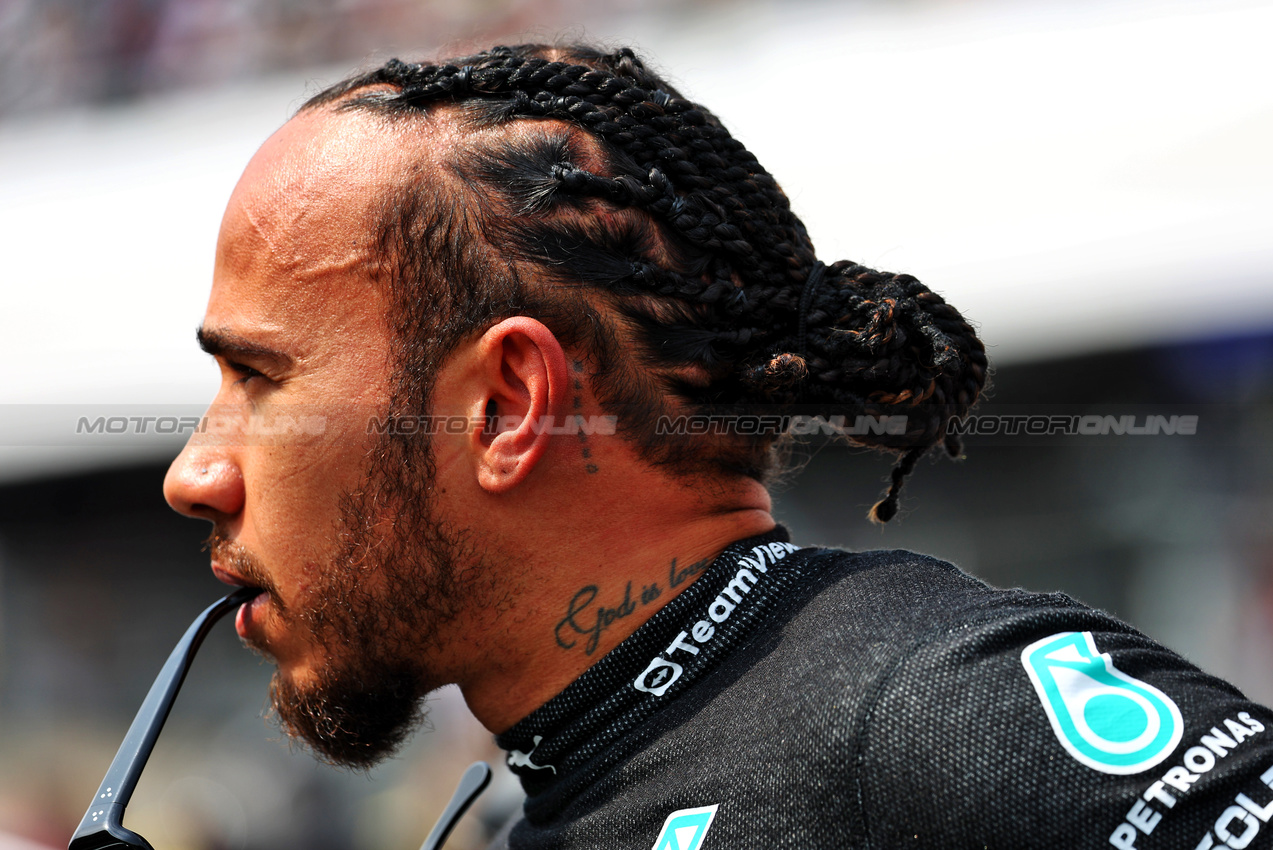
(298, 250)
(310, 194)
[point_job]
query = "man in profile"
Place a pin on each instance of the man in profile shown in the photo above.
(558, 323)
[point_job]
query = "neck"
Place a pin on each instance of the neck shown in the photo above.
(581, 580)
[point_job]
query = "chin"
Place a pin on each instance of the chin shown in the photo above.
(353, 718)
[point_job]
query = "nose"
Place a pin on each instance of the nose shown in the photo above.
(205, 484)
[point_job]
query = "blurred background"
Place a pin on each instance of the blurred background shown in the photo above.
(1088, 181)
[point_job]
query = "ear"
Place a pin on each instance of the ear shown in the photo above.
(527, 387)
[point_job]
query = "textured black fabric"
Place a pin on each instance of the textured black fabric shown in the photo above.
(881, 699)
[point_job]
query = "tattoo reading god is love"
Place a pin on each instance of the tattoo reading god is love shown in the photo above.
(586, 621)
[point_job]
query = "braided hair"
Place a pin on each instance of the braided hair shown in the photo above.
(590, 194)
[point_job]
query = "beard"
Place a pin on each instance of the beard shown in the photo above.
(377, 609)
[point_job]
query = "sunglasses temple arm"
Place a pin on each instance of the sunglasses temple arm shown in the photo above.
(102, 825)
(472, 783)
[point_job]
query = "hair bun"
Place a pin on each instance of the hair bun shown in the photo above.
(878, 344)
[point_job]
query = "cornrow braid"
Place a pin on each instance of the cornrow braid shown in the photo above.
(594, 196)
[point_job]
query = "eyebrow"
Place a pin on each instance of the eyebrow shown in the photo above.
(229, 345)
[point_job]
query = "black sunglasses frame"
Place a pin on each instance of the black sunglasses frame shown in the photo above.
(103, 827)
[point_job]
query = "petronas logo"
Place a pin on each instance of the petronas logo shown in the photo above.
(686, 829)
(1108, 720)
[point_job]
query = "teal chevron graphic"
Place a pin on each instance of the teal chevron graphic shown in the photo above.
(685, 829)
(1104, 718)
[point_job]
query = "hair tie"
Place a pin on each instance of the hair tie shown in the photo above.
(811, 284)
(462, 81)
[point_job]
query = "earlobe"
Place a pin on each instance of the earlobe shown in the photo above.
(506, 462)
(527, 387)
(509, 448)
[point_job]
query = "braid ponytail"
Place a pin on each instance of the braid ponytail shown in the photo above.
(881, 345)
(639, 229)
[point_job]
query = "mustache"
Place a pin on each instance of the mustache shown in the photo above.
(239, 560)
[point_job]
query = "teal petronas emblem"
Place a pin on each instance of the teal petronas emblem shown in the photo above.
(685, 829)
(1108, 720)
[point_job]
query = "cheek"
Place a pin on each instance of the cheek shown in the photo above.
(311, 575)
(293, 498)
(450, 457)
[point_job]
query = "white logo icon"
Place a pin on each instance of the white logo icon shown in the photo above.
(658, 677)
(519, 759)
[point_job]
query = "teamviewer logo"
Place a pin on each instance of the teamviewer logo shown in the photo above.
(686, 829)
(658, 677)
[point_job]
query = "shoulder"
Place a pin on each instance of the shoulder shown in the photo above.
(856, 624)
(908, 598)
(1017, 718)
(950, 713)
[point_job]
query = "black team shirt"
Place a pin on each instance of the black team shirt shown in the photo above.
(813, 698)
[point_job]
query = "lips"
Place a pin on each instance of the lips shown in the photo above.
(247, 621)
(227, 577)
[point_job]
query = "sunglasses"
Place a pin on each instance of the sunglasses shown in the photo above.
(103, 823)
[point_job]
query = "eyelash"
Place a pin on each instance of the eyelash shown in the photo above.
(247, 372)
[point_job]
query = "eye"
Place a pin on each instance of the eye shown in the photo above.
(245, 373)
